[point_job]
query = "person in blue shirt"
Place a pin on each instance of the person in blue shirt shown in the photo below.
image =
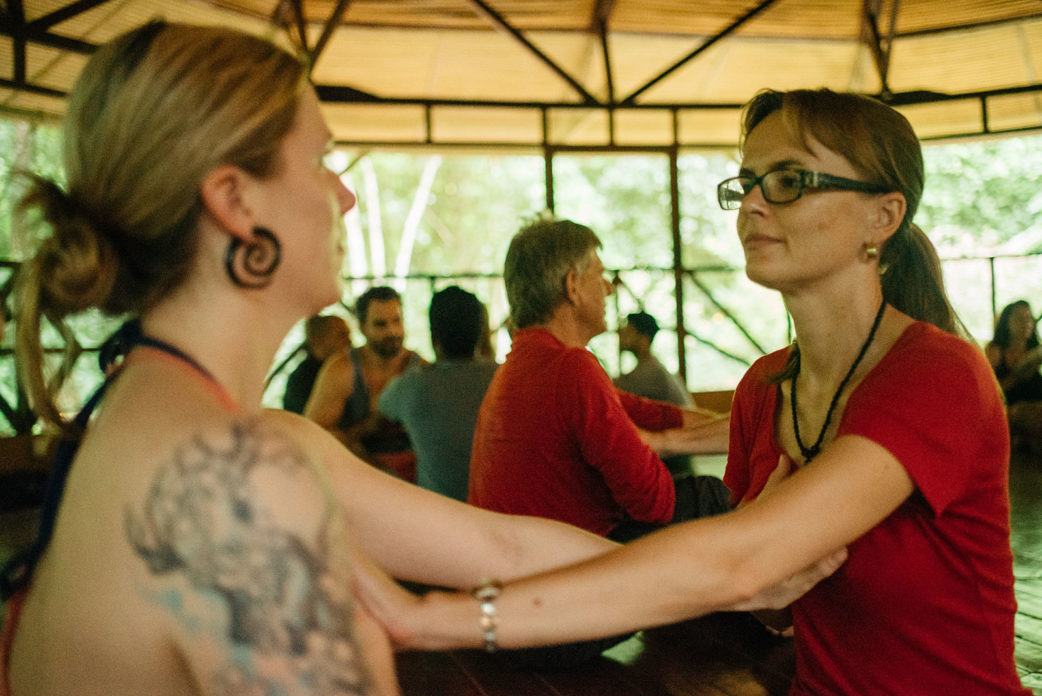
(438, 403)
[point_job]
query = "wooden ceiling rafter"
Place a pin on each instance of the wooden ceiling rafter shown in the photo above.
(733, 27)
(499, 22)
(295, 10)
(879, 43)
(599, 26)
(16, 16)
(327, 31)
(36, 36)
(13, 24)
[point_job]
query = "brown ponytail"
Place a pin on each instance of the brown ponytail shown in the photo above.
(912, 280)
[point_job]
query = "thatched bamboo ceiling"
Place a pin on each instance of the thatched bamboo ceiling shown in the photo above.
(584, 73)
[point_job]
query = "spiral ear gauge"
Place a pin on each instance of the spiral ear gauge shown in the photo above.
(252, 264)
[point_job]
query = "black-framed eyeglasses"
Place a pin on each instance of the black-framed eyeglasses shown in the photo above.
(786, 185)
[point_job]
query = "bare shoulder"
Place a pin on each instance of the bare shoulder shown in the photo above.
(993, 353)
(247, 554)
(339, 363)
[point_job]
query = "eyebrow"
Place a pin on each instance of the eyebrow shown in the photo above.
(774, 166)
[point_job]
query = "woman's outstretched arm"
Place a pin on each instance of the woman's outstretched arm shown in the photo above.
(421, 536)
(763, 555)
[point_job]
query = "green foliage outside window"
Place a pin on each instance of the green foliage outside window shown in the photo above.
(424, 217)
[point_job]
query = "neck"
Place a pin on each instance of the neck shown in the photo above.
(642, 354)
(566, 328)
(830, 331)
(238, 355)
(378, 359)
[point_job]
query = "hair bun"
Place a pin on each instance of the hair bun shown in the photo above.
(75, 264)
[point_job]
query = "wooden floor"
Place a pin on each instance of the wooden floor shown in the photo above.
(1026, 539)
(723, 654)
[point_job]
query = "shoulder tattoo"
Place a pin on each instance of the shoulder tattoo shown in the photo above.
(205, 519)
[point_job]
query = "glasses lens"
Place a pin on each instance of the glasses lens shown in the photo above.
(729, 193)
(782, 186)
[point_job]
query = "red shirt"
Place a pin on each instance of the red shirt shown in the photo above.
(555, 439)
(924, 604)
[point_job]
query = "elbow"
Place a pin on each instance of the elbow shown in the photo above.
(746, 586)
(744, 583)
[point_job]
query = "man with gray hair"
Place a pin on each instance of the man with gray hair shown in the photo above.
(554, 438)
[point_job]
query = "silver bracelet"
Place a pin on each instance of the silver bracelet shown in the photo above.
(486, 593)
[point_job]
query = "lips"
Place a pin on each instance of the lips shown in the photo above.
(758, 241)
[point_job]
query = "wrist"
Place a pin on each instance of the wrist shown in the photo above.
(486, 594)
(446, 620)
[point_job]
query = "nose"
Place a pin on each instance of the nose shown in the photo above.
(345, 198)
(755, 197)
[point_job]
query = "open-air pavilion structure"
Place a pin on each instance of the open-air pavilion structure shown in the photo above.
(583, 73)
(560, 77)
(557, 77)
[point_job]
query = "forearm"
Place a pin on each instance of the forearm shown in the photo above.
(709, 436)
(696, 417)
(764, 555)
(593, 599)
(423, 537)
(492, 545)
(521, 546)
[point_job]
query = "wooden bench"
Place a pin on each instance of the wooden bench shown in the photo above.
(719, 401)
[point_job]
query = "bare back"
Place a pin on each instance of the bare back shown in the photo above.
(196, 551)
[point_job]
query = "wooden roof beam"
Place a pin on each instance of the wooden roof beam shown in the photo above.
(327, 31)
(14, 22)
(289, 14)
(499, 22)
(599, 24)
(68, 12)
(723, 34)
(877, 42)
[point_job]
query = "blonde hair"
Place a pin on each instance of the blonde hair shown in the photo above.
(152, 113)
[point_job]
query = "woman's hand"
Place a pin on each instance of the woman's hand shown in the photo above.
(786, 592)
(780, 473)
(772, 605)
(436, 621)
(384, 599)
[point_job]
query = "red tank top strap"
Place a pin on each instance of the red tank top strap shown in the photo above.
(14, 610)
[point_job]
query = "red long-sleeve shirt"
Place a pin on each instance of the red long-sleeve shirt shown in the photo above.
(555, 439)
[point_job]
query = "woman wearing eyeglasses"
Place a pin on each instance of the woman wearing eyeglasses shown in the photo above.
(879, 429)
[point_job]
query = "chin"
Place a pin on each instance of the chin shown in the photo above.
(763, 277)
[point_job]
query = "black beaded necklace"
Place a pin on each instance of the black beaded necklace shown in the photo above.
(815, 449)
